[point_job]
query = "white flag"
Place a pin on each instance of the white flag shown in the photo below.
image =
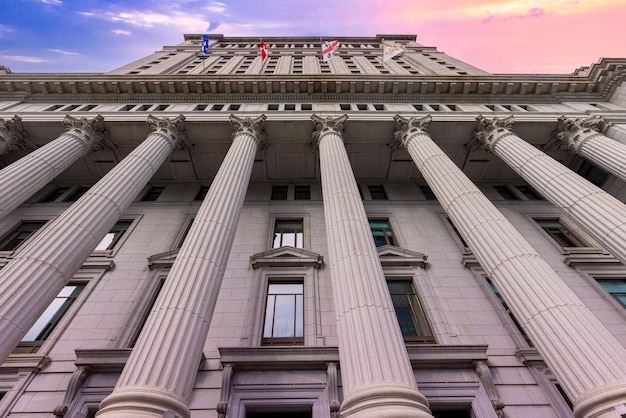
(328, 49)
(391, 49)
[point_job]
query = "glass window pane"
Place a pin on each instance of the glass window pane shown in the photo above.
(269, 317)
(284, 316)
(43, 321)
(106, 241)
(299, 316)
(289, 239)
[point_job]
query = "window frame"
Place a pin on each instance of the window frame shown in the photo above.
(412, 339)
(117, 243)
(568, 227)
(13, 229)
(306, 236)
(391, 227)
(283, 233)
(297, 323)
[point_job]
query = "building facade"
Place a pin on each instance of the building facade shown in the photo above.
(219, 236)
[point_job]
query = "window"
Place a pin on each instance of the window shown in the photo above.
(377, 192)
(381, 231)
(152, 194)
(146, 311)
(428, 193)
(288, 232)
(457, 233)
(19, 234)
(111, 239)
(302, 192)
(451, 413)
(77, 194)
(275, 414)
(592, 173)
(616, 287)
(49, 319)
(409, 311)
(284, 314)
(508, 311)
(529, 193)
(506, 193)
(279, 192)
(202, 193)
(559, 233)
(55, 194)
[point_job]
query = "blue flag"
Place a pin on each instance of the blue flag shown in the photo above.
(205, 44)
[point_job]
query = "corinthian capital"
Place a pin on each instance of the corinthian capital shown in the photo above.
(491, 131)
(405, 128)
(574, 132)
(327, 125)
(173, 129)
(90, 131)
(13, 136)
(253, 127)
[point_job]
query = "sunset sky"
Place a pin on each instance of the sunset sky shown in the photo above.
(510, 36)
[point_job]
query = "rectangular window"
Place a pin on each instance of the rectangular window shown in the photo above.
(202, 193)
(428, 193)
(377, 192)
(409, 311)
(111, 239)
(288, 232)
(616, 287)
(50, 318)
(55, 194)
(506, 193)
(508, 312)
(381, 231)
(77, 194)
(592, 173)
(559, 233)
(279, 192)
(19, 234)
(302, 192)
(152, 194)
(529, 192)
(284, 314)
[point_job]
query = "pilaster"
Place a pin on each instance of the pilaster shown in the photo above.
(30, 282)
(584, 137)
(375, 383)
(157, 383)
(598, 213)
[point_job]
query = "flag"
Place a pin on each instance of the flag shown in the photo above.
(391, 49)
(205, 45)
(328, 49)
(265, 49)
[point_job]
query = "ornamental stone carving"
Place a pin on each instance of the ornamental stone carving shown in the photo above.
(90, 132)
(489, 132)
(174, 130)
(575, 132)
(13, 137)
(252, 127)
(327, 125)
(405, 128)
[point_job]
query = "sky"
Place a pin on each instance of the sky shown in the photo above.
(498, 36)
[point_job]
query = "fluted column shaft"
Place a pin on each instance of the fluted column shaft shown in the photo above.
(29, 174)
(30, 282)
(156, 382)
(584, 138)
(376, 383)
(601, 215)
(589, 362)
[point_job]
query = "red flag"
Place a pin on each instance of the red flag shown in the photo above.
(264, 51)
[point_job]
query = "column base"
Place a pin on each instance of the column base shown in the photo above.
(142, 403)
(389, 401)
(608, 402)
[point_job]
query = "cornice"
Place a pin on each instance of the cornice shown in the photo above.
(597, 85)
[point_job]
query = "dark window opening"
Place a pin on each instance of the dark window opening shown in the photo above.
(506, 193)
(592, 173)
(202, 193)
(77, 194)
(152, 194)
(19, 234)
(302, 192)
(279, 193)
(428, 193)
(509, 313)
(377, 192)
(559, 233)
(381, 231)
(55, 194)
(529, 192)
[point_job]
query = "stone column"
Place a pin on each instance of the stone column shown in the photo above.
(159, 375)
(377, 377)
(26, 176)
(588, 360)
(584, 137)
(12, 136)
(30, 282)
(598, 213)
